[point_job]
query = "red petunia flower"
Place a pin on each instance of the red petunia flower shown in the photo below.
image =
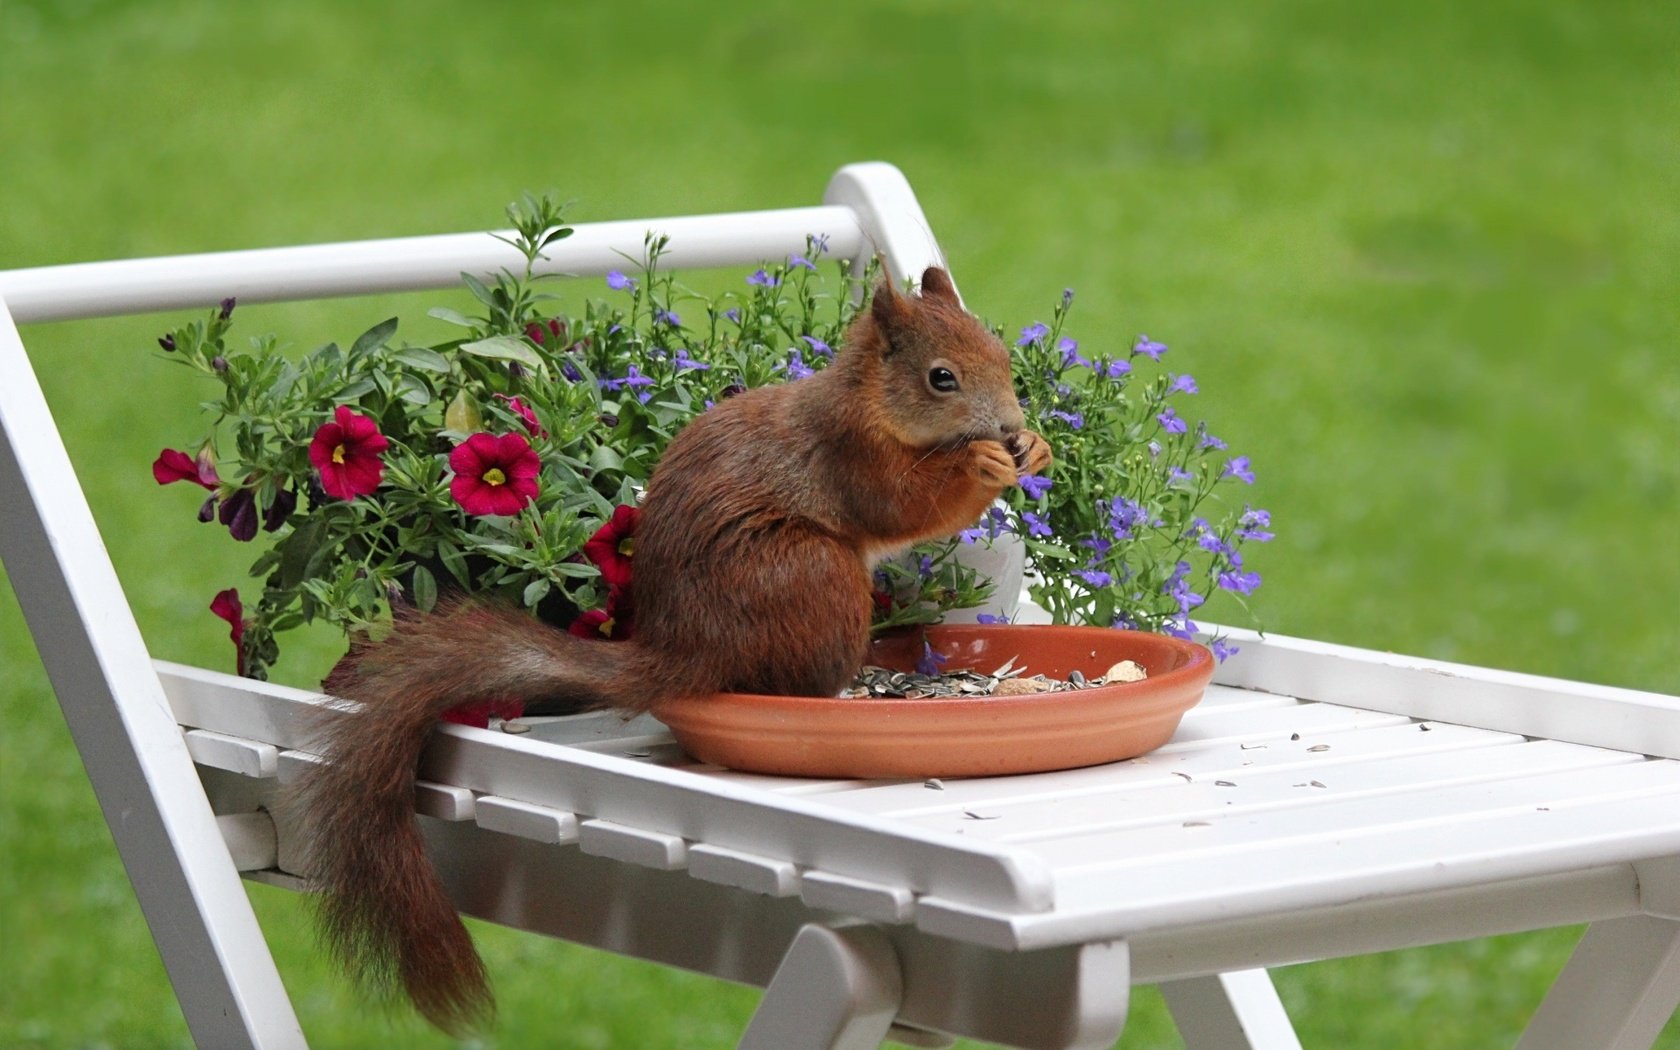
(346, 452)
(173, 465)
(478, 712)
(542, 334)
(227, 605)
(612, 623)
(494, 475)
(526, 416)
(613, 545)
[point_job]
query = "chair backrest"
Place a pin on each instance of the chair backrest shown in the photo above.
(87, 636)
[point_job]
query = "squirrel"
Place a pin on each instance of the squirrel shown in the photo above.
(758, 534)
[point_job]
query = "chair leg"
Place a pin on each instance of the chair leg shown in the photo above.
(1619, 988)
(1230, 1011)
(836, 989)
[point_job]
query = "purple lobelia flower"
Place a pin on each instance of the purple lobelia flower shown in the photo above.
(1239, 582)
(763, 278)
(796, 367)
(1033, 333)
(1149, 348)
(1069, 349)
(1238, 468)
(929, 662)
(618, 282)
(631, 380)
(1037, 524)
(1177, 587)
(1036, 485)
(1184, 384)
(1124, 515)
(1171, 422)
(1253, 525)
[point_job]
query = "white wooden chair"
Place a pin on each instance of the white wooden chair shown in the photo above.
(1321, 802)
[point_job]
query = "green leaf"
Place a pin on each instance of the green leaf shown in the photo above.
(505, 348)
(413, 390)
(454, 317)
(374, 337)
(268, 560)
(356, 389)
(455, 562)
(424, 586)
(296, 552)
(481, 293)
(603, 457)
(284, 382)
(421, 358)
(535, 591)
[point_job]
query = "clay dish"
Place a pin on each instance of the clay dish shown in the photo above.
(963, 736)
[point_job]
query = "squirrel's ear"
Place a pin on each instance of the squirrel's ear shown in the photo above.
(888, 307)
(936, 284)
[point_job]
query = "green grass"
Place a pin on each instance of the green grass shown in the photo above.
(1422, 259)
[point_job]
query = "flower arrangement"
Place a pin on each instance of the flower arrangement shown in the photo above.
(509, 458)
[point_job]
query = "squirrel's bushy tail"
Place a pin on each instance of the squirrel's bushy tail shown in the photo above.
(383, 907)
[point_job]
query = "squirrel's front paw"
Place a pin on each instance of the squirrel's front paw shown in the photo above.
(993, 464)
(1031, 452)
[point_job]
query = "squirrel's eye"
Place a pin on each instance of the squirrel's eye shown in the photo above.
(943, 380)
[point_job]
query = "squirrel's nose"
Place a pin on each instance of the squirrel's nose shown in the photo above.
(1011, 420)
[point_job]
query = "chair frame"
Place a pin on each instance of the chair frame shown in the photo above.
(858, 923)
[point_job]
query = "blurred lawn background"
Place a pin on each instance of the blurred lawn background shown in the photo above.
(1423, 260)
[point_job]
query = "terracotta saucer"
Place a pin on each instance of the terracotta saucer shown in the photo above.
(960, 736)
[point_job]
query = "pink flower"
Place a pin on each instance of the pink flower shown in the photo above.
(173, 465)
(613, 545)
(494, 475)
(346, 452)
(526, 416)
(227, 605)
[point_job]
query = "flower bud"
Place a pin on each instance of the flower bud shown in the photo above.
(227, 307)
(219, 364)
(167, 342)
(239, 514)
(285, 501)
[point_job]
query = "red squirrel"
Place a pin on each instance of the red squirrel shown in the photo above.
(758, 534)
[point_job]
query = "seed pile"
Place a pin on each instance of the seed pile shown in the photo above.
(1008, 680)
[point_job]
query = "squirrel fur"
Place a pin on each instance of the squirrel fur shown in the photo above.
(757, 537)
